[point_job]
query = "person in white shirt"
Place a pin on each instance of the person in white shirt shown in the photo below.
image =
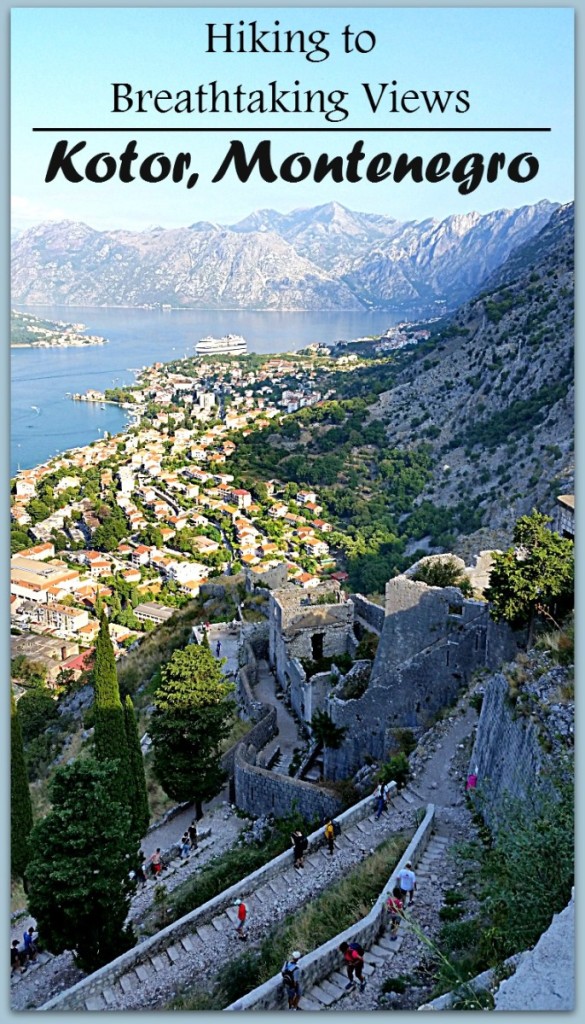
(407, 883)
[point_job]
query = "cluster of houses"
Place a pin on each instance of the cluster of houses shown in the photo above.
(171, 477)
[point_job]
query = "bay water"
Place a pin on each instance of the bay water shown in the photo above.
(44, 421)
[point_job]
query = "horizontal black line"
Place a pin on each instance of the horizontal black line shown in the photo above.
(268, 130)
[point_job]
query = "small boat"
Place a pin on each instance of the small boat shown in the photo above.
(103, 405)
(35, 408)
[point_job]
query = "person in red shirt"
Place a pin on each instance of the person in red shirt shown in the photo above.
(241, 925)
(395, 907)
(353, 955)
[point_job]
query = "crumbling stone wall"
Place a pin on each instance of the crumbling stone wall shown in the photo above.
(300, 628)
(368, 613)
(259, 791)
(432, 641)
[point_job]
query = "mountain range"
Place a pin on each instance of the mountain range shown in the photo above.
(492, 392)
(323, 258)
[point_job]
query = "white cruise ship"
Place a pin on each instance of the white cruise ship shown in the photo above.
(230, 345)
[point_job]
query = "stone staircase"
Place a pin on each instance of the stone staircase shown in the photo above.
(189, 950)
(42, 958)
(381, 954)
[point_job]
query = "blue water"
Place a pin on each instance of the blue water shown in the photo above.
(138, 337)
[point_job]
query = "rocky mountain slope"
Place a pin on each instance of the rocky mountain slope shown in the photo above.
(492, 392)
(326, 257)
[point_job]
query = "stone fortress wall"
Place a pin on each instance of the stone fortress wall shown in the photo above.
(432, 641)
(253, 787)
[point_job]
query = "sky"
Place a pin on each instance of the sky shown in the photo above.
(515, 64)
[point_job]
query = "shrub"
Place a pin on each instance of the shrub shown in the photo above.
(397, 770)
(406, 740)
(398, 984)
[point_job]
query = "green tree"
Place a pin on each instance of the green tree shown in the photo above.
(534, 578)
(192, 715)
(79, 871)
(139, 795)
(36, 710)
(110, 730)
(444, 573)
(325, 732)
(21, 819)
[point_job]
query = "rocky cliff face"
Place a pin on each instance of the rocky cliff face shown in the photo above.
(327, 257)
(492, 393)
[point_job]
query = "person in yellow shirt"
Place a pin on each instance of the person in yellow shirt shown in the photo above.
(330, 835)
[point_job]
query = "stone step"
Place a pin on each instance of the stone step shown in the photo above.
(410, 799)
(321, 996)
(175, 952)
(314, 860)
(220, 923)
(343, 841)
(291, 876)
(43, 957)
(355, 837)
(387, 945)
(380, 951)
(160, 962)
(363, 828)
(334, 990)
(277, 885)
(207, 933)
(144, 970)
(96, 1002)
(306, 1003)
(109, 996)
(128, 982)
(368, 969)
(232, 913)
(265, 894)
(339, 979)
(190, 942)
(371, 958)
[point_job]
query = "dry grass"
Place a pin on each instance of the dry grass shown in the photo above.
(239, 729)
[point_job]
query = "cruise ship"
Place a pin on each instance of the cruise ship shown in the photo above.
(230, 345)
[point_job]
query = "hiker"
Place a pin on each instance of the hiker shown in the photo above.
(30, 949)
(192, 830)
(17, 964)
(217, 648)
(329, 832)
(300, 844)
(407, 883)
(185, 846)
(291, 976)
(380, 797)
(395, 907)
(471, 780)
(140, 872)
(353, 954)
(240, 927)
(156, 861)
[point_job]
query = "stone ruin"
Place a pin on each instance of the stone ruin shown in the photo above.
(431, 641)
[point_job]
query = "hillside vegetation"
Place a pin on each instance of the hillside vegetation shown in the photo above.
(446, 445)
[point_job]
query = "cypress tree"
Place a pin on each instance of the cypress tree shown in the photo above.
(139, 804)
(110, 730)
(21, 819)
(82, 853)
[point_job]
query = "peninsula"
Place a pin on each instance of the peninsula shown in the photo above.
(28, 331)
